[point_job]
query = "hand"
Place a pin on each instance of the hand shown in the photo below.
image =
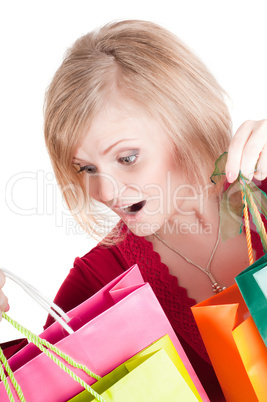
(4, 306)
(247, 150)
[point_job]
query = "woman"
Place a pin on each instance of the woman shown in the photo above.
(135, 122)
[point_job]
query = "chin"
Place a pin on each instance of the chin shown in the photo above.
(143, 229)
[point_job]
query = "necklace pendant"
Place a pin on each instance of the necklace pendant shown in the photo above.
(217, 288)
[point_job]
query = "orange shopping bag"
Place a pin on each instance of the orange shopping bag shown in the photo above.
(229, 335)
(254, 356)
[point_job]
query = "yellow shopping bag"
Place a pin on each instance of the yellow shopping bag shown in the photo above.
(156, 373)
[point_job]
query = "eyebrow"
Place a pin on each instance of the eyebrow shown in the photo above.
(76, 161)
(107, 150)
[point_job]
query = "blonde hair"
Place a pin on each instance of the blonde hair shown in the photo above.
(152, 67)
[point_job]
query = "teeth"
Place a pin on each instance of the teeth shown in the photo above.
(133, 208)
(126, 206)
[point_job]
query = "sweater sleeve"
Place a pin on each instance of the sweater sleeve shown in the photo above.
(88, 275)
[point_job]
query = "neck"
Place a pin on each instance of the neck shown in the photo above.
(195, 224)
(198, 251)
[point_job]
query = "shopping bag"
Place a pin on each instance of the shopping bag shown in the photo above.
(253, 353)
(110, 327)
(219, 320)
(234, 345)
(65, 362)
(154, 374)
(253, 285)
(155, 379)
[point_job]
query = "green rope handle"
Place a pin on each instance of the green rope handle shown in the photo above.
(46, 347)
(255, 214)
(6, 384)
(3, 377)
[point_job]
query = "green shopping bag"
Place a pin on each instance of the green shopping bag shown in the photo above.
(155, 374)
(252, 283)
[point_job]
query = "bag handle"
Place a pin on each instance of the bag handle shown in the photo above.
(56, 312)
(49, 349)
(13, 381)
(249, 203)
(54, 354)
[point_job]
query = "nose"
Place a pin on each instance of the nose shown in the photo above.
(107, 188)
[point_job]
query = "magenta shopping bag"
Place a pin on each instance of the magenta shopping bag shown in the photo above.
(121, 319)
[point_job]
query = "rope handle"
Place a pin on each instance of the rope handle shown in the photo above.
(4, 364)
(50, 350)
(250, 204)
(54, 354)
(56, 312)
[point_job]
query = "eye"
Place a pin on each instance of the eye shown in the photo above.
(91, 169)
(128, 160)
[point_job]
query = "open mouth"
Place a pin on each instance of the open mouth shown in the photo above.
(133, 208)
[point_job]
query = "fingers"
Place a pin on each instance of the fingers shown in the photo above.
(247, 150)
(261, 172)
(236, 150)
(2, 279)
(4, 306)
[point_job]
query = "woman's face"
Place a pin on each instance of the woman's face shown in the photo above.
(128, 166)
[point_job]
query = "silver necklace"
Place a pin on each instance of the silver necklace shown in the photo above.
(215, 285)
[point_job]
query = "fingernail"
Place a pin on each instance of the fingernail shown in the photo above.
(230, 177)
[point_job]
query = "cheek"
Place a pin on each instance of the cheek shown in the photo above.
(91, 186)
(166, 182)
(159, 178)
(156, 188)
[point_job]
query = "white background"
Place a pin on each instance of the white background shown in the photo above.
(38, 239)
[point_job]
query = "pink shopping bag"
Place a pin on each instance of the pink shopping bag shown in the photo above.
(121, 319)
